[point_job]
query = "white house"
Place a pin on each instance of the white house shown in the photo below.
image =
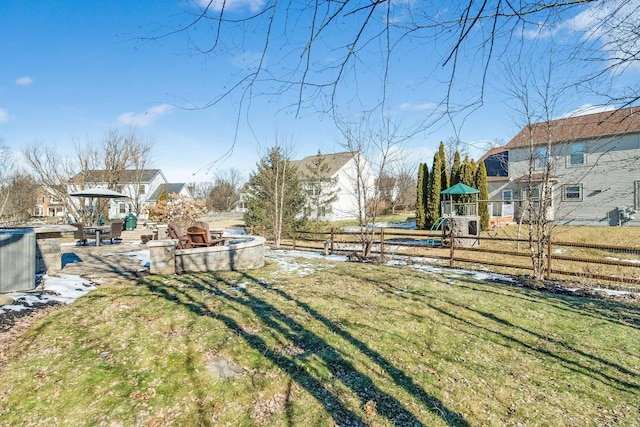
(594, 164)
(343, 168)
(143, 187)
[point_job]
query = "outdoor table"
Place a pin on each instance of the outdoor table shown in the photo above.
(216, 233)
(97, 229)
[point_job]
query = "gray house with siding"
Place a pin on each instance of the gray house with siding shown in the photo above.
(594, 169)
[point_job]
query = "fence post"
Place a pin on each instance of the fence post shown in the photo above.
(331, 240)
(452, 244)
(382, 243)
(549, 252)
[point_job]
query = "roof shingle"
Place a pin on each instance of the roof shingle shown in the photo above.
(586, 127)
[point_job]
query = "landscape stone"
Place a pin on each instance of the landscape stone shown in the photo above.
(222, 368)
(6, 300)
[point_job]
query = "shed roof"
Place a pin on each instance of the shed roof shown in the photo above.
(460, 189)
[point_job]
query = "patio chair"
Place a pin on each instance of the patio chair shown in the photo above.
(206, 239)
(175, 232)
(198, 236)
(79, 234)
(116, 231)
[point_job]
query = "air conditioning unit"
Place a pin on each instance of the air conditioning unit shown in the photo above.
(626, 213)
(17, 260)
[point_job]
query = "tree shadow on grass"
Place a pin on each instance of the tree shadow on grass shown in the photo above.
(584, 363)
(620, 312)
(399, 377)
(574, 365)
(311, 344)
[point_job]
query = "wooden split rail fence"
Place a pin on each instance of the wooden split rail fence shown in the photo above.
(591, 263)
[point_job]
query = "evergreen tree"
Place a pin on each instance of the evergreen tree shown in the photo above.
(483, 186)
(455, 170)
(468, 172)
(163, 197)
(433, 201)
(422, 196)
(444, 176)
(320, 187)
(274, 195)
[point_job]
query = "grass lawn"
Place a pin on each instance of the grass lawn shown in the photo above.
(310, 342)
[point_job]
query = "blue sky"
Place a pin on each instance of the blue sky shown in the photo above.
(72, 70)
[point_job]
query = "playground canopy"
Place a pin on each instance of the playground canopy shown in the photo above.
(460, 189)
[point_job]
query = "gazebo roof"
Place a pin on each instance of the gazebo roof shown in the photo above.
(460, 189)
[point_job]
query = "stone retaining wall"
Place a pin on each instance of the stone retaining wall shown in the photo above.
(247, 254)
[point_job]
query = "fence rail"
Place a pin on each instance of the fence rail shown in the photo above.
(606, 265)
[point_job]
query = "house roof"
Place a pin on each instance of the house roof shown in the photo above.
(171, 188)
(589, 126)
(535, 177)
(497, 178)
(128, 176)
(494, 150)
(335, 161)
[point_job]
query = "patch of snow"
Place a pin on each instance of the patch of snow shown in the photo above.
(630, 261)
(65, 289)
(143, 255)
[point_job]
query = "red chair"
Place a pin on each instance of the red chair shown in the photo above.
(175, 232)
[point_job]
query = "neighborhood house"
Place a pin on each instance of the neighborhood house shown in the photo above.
(143, 188)
(340, 177)
(594, 173)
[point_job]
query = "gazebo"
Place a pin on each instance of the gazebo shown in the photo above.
(462, 222)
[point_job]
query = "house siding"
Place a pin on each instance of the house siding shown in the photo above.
(345, 173)
(607, 179)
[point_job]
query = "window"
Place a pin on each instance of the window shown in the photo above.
(143, 189)
(38, 211)
(40, 199)
(507, 197)
(577, 153)
(324, 210)
(122, 208)
(542, 157)
(533, 193)
(572, 193)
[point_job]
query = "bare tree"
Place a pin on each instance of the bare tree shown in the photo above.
(375, 150)
(53, 170)
(344, 54)
(224, 192)
(121, 157)
(21, 190)
(452, 146)
(136, 159)
(536, 103)
(404, 171)
(7, 169)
